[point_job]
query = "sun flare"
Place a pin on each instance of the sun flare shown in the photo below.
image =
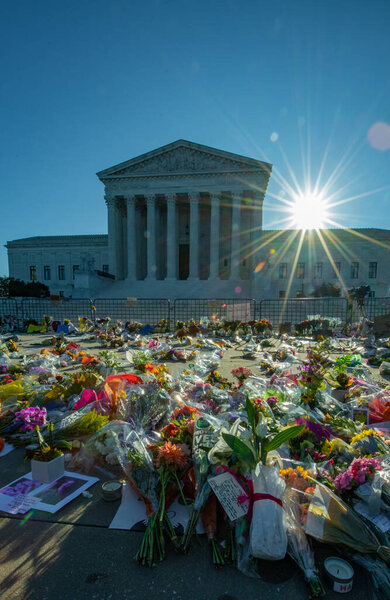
(309, 211)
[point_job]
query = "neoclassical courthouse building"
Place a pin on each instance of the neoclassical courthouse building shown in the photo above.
(185, 220)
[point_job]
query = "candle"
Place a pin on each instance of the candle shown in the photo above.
(339, 573)
(112, 490)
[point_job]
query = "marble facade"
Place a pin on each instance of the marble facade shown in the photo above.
(185, 220)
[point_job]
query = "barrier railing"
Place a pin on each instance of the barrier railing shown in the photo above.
(148, 311)
(152, 310)
(10, 312)
(63, 308)
(295, 310)
(232, 309)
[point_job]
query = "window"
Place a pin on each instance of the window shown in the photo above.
(371, 294)
(282, 293)
(282, 271)
(105, 269)
(61, 293)
(75, 269)
(318, 271)
(338, 269)
(300, 271)
(372, 269)
(225, 262)
(354, 270)
(61, 272)
(46, 273)
(33, 273)
(244, 262)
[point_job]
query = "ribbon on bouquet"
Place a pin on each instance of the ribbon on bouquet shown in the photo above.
(247, 486)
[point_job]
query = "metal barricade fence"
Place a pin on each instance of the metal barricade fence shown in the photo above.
(148, 311)
(10, 311)
(295, 310)
(231, 309)
(376, 307)
(63, 308)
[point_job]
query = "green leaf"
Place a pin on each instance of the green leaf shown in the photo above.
(251, 412)
(283, 436)
(63, 444)
(243, 451)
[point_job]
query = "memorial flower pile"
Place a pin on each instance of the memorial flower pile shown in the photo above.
(265, 462)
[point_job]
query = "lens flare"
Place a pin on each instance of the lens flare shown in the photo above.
(260, 266)
(309, 211)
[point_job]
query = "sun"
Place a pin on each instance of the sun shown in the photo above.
(309, 211)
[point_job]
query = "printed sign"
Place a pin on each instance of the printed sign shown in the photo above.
(360, 415)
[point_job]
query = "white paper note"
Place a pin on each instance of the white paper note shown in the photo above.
(228, 490)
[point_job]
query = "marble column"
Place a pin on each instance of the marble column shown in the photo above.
(112, 234)
(171, 237)
(214, 236)
(131, 240)
(194, 236)
(235, 258)
(151, 238)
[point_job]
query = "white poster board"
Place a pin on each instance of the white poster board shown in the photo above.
(238, 312)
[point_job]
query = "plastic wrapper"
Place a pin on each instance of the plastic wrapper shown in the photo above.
(370, 493)
(299, 547)
(206, 362)
(379, 574)
(384, 369)
(331, 521)
(146, 406)
(268, 538)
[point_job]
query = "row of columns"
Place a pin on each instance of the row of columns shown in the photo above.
(116, 236)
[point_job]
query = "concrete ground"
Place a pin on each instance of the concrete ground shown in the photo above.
(72, 554)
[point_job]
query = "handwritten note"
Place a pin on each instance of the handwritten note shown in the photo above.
(228, 490)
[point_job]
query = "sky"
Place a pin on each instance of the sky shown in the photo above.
(85, 85)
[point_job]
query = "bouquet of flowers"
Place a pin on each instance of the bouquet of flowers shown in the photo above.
(268, 539)
(299, 546)
(331, 521)
(205, 436)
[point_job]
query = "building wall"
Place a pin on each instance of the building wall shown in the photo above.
(276, 258)
(363, 247)
(54, 252)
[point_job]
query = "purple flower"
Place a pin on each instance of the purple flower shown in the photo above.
(31, 417)
(318, 430)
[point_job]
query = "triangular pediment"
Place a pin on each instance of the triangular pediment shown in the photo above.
(184, 157)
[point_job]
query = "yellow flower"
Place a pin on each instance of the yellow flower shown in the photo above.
(363, 434)
(326, 448)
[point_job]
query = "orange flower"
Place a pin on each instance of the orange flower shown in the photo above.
(151, 368)
(185, 411)
(2, 444)
(88, 359)
(170, 454)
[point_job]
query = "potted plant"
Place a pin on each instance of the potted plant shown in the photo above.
(47, 463)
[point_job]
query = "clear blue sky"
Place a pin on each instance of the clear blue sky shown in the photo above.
(87, 84)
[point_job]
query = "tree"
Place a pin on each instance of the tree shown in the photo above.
(10, 287)
(331, 290)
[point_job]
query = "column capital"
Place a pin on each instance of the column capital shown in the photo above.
(170, 198)
(193, 197)
(110, 199)
(237, 195)
(150, 199)
(130, 198)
